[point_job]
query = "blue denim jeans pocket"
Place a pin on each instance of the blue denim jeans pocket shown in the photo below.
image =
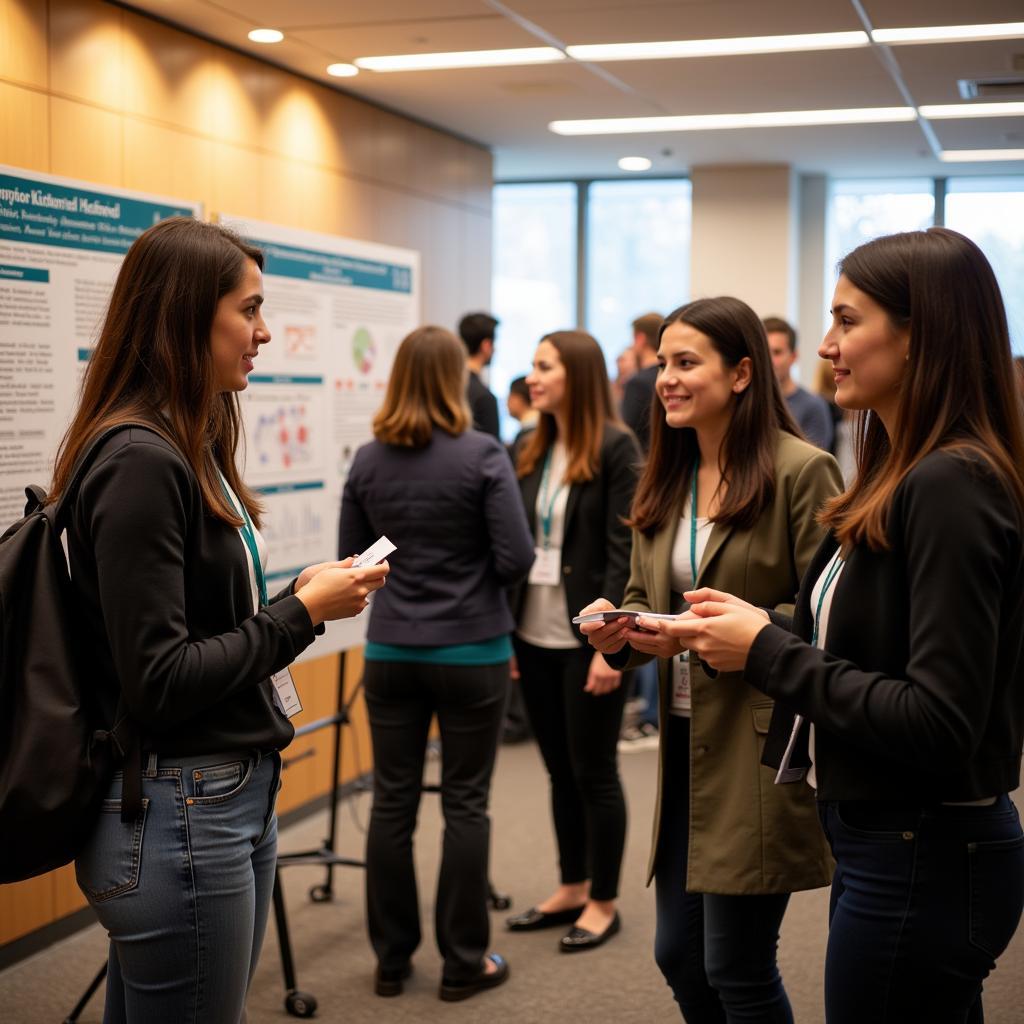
(108, 865)
(996, 878)
(218, 783)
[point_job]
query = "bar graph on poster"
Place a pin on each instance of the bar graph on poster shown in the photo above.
(337, 309)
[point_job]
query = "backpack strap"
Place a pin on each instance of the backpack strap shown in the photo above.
(62, 509)
(123, 736)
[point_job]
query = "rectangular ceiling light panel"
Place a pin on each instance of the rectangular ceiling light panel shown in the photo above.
(675, 49)
(461, 59)
(948, 33)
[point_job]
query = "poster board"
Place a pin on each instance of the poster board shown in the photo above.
(61, 245)
(337, 310)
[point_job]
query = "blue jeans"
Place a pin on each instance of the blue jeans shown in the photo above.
(184, 890)
(646, 684)
(924, 901)
(717, 953)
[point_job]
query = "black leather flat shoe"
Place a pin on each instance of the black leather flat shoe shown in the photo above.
(579, 939)
(389, 983)
(533, 919)
(455, 991)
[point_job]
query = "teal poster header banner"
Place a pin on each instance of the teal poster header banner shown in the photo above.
(37, 212)
(331, 268)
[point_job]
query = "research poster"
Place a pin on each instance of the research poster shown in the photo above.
(337, 309)
(61, 244)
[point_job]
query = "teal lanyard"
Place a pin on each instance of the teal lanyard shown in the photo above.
(546, 516)
(693, 524)
(830, 577)
(249, 536)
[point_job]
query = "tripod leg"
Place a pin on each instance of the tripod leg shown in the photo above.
(72, 1017)
(283, 939)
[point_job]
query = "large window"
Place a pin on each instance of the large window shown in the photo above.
(638, 256)
(534, 275)
(861, 210)
(990, 211)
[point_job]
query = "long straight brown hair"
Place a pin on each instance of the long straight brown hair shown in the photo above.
(588, 404)
(426, 389)
(959, 391)
(747, 455)
(152, 362)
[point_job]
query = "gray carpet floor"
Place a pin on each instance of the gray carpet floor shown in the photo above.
(618, 982)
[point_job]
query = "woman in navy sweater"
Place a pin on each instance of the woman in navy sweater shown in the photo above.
(438, 645)
(899, 683)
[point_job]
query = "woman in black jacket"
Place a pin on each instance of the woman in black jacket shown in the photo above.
(577, 473)
(439, 644)
(167, 565)
(904, 667)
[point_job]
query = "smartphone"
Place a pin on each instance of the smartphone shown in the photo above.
(619, 613)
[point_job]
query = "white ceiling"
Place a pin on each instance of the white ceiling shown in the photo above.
(508, 109)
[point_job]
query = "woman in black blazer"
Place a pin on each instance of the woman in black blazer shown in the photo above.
(899, 683)
(577, 473)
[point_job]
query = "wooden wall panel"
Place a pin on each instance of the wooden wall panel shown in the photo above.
(93, 91)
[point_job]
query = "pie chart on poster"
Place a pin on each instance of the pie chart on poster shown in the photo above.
(363, 350)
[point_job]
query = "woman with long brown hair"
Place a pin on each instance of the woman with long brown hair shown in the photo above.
(577, 471)
(438, 646)
(903, 662)
(728, 496)
(167, 568)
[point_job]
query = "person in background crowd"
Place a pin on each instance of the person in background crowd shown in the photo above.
(727, 498)
(810, 411)
(477, 331)
(639, 390)
(625, 366)
(519, 408)
(446, 496)
(1018, 367)
(167, 568)
(577, 471)
(842, 421)
(903, 663)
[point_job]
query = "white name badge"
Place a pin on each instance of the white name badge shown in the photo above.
(681, 684)
(547, 567)
(286, 697)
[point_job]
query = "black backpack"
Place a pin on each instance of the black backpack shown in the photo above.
(57, 755)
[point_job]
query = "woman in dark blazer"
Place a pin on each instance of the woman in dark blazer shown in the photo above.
(577, 471)
(446, 496)
(728, 847)
(903, 663)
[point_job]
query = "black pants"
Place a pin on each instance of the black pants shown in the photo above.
(578, 736)
(717, 953)
(401, 699)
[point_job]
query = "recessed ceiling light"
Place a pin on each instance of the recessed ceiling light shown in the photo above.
(963, 156)
(342, 70)
(948, 33)
(634, 163)
(711, 122)
(953, 110)
(266, 35)
(461, 59)
(717, 47)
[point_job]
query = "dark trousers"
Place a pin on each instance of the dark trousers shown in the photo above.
(718, 953)
(401, 699)
(578, 736)
(924, 901)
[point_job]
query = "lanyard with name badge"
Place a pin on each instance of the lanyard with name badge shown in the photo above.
(785, 773)
(681, 679)
(547, 560)
(286, 697)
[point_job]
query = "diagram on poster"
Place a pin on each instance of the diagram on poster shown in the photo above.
(61, 245)
(337, 309)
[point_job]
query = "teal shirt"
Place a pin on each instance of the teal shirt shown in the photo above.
(486, 652)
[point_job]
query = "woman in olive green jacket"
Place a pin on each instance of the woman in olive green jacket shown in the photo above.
(728, 499)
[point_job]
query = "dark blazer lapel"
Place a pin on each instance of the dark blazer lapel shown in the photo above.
(572, 503)
(530, 487)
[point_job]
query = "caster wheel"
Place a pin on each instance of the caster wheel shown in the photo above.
(300, 1004)
(500, 902)
(321, 894)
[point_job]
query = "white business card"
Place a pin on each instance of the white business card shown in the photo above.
(374, 554)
